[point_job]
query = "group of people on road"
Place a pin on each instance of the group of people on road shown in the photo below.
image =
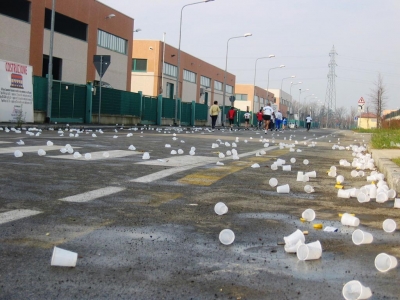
(266, 118)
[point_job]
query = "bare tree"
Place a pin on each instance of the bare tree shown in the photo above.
(340, 115)
(378, 99)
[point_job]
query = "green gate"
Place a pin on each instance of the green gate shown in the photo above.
(149, 110)
(186, 113)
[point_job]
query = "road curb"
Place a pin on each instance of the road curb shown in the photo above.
(388, 168)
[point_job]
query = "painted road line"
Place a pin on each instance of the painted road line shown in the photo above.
(2, 142)
(98, 155)
(89, 196)
(25, 149)
(179, 161)
(17, 214)
(165, 173)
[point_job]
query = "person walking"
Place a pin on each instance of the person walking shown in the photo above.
(308, 122)
(260, 119)
(214, 112)
(284, 123)
(246, 120)
(267, 115)
(231, 117)
(278, 120)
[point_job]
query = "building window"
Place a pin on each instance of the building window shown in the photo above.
(170, 70)
(66, 25)
(189, 76)
(139, 65)
(218, 85)
(18, 9)
(205, 81)
(111, 42)
(229, 89)
(241, 97)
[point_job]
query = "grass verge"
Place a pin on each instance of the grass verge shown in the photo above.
(396, 161)
(383, 138)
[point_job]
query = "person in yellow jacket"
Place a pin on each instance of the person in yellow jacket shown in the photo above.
(214, 112)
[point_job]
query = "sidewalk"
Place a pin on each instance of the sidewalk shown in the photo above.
(383, 160)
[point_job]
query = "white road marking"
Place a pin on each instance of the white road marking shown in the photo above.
(179, 161)
(25, 149)
(17, 214)
(98, 155)
(165, 173)
(89, 196)
(1, 142)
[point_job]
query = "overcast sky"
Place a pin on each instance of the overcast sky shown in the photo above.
(300, 33)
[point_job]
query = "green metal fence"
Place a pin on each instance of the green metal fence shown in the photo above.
(186, 113)
(168, 108)
(201, 111)
(149, 115)
(39, 93)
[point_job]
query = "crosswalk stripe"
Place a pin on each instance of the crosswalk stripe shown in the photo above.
(91, 195)
(17, 214)
(25, 149)
(98, 155)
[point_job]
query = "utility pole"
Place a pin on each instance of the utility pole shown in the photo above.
(330, 97)
(50, 69)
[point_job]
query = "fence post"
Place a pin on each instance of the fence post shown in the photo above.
(193, 114)
(159, 109)
(178, 122)
(141, 105)
(89, 102)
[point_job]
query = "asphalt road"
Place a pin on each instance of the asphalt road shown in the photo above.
(146, 229)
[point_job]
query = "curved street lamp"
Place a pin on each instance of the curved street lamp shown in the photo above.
(255, 72)
(226, 67)
(281, 66)
(179, 58)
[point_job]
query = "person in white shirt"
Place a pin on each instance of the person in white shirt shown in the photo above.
(267, 115)
(278, 120)
(308, 122)
(247, 120)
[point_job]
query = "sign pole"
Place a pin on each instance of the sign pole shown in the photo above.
(101, 76)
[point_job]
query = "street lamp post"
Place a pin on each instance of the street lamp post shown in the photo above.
(280, 96)
(179, 58)
(255, 72)
(226, 67)
(50, 67)
(291, 99)
(281, 66)
(306, 90)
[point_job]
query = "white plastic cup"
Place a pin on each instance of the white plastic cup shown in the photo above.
(274, 167)
(381, 197)
(292, 160)
(306, 162)
(273, 182)
(287, 168)
(63, 258)
(311, 174)
(350, 220)
(41, 152)
(391, 194)
(332, 173)
(106, 154)
(354, 290)
(283, 189)
(354, 173)
(293, 248)
(339, 179)
(308, 189)
(361, 197)
(293, 238)
(300, 176)
(372, 191)
(88, 156)
(385, 262)
(397, 203)
(389, 225)
(146, 155)
(361, 237)
(343, 193)
(77, 155)
(308, 214)
(220, 208)
(309, 251)
(226, 236)
(18, 153)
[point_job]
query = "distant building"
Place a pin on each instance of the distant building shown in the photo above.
(82, 28)
(367, 121)
(245, 93)
(155, 72)
(283, 100)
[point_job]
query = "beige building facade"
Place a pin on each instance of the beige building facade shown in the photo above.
(154, 72)
(283, 101)
(367, 121)
(248, 95)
